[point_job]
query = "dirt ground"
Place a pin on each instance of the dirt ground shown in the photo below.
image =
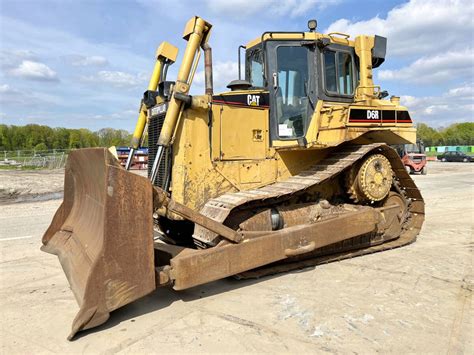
(415, 299)
(34, 185)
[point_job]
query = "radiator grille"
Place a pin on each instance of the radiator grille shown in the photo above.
(163, 178)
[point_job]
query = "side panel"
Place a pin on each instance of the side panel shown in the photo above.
(240, 125)
(244, 133)
(194, 178)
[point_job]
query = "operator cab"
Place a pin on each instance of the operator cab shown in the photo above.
(298, 69)
(298, 72)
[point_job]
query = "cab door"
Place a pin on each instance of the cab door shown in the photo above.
(291, 79)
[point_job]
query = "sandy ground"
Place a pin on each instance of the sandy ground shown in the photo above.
(34, 185)
(416, 299)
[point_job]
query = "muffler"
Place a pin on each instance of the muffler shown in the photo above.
(103, 235)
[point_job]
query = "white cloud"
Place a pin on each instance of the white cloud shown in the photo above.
(455, 105)
(116, 78)
(128, 115)
(244, 8)
(13, 97)
(11, 58)
(5, 89)
(445, 67)
(17, 54)
(51, 42)
(78, 60)
(9, 94)
(466, 91)
(34, 71)
(222, 74)
(418, 26)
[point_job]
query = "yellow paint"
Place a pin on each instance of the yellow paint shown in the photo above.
(165, 52)
(230, 159)
(363, 49)
(195, 33)
(220, 148)
(306, 36)
(238, 132)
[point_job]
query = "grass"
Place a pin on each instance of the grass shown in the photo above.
(20, 167)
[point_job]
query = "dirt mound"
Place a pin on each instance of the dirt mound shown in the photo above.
(21, 186)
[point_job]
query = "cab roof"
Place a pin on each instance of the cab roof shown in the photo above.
(334, 37)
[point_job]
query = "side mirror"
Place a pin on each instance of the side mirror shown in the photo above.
(383, 94)
(379, 51)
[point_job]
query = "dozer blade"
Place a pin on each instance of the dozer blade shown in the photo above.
(103, 235)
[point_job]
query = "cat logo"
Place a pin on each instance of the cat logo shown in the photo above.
(253, 100)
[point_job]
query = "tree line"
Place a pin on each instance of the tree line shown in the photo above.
(40, 137)
(455, 134)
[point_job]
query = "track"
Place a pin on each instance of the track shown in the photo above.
(335, 163)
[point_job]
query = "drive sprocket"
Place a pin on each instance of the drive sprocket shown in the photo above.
(370, 181)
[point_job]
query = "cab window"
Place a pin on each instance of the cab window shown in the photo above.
(255, 61)
(291, 81)
(338, 73)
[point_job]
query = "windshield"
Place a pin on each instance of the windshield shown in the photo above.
(291, 91)
(413, 148)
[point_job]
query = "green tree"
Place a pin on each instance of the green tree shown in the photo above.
(41, 146)
(60, 138)
(18, 138)
(117, 137)
(88, 138)
(5, 139)
(75, 139)
(459, 134)
(428, 135)
(30, 136)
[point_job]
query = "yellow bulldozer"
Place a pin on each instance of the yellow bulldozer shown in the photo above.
(291, 167)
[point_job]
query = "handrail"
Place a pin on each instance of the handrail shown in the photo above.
(345, 35)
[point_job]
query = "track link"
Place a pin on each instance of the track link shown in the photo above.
(335, 163)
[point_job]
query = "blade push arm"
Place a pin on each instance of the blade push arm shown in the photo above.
(165, 54)
(196, 33)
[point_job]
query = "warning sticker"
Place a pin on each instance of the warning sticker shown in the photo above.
(284, 130)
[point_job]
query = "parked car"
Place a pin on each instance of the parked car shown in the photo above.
(455, 156)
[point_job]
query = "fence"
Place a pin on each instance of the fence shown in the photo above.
(44, 159)
(451, 148)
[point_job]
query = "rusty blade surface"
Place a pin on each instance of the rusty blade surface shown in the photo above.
(219, 262)
(103, 235)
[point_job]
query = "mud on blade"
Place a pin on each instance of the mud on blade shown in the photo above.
(103, 235)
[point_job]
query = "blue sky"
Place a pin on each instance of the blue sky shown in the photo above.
(86, 63)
